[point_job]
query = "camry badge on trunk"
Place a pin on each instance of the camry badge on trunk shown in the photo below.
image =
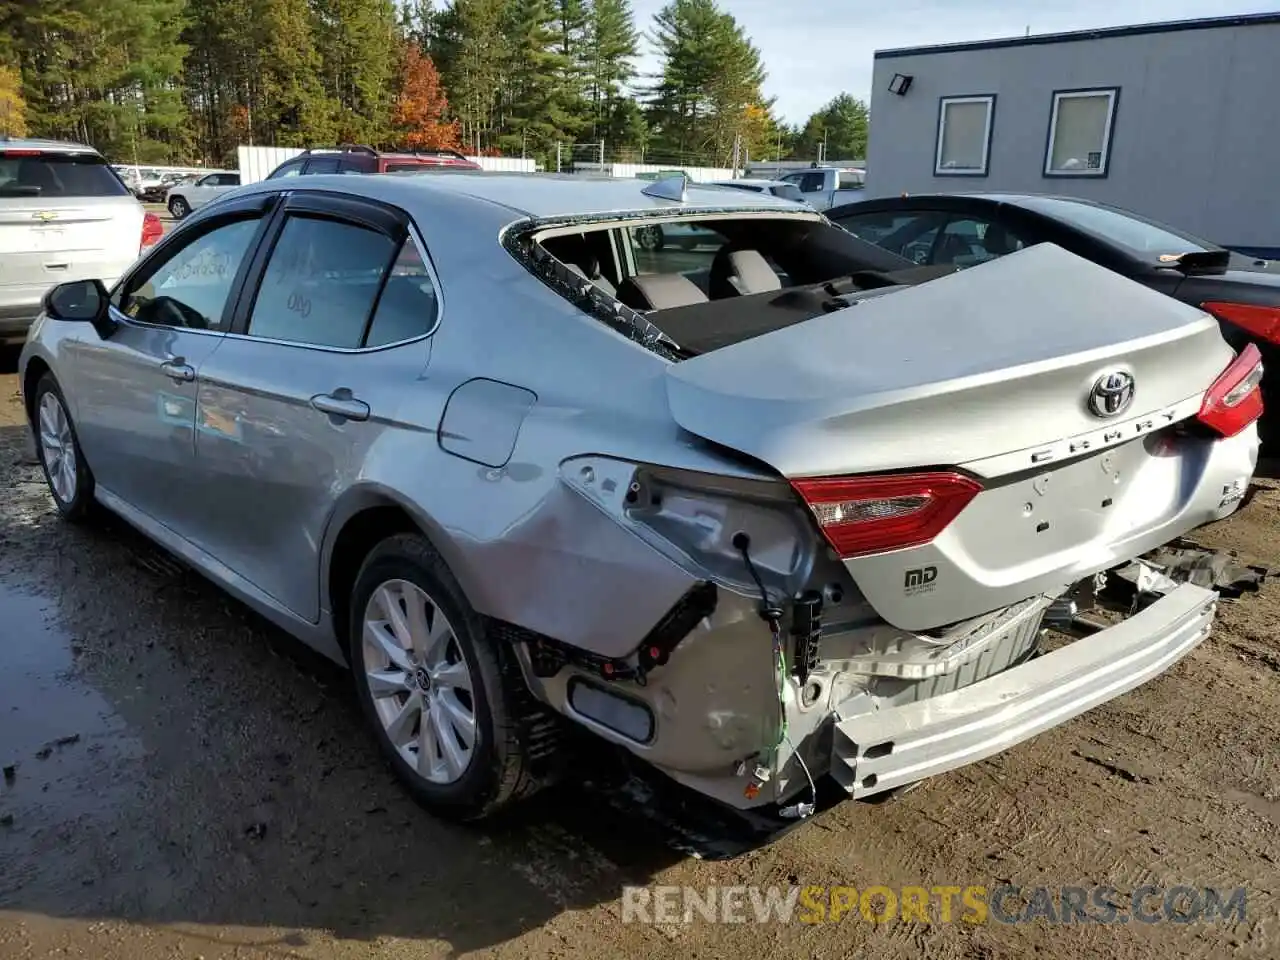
(1112, 393)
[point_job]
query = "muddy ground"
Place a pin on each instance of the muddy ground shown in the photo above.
(187, 782)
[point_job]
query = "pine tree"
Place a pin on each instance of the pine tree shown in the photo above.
(471, 52)
(610, 48)
(571, 24)
(538, 106)
(359, 49)
(711, 74)
(842, 124)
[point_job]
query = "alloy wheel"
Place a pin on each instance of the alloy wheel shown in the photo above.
(58, 447)
(419, 680)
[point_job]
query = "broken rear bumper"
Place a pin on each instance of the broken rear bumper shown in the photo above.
(881, 750)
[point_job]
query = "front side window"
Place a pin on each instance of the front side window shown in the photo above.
(964, 136)
(190, 288)
(788, 191)
(1080, 127)
(321, 283)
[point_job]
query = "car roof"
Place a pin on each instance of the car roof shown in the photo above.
(550, 195)
(39, 143)
(752, 180)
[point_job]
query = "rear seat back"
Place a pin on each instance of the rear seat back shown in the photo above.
(660, 291)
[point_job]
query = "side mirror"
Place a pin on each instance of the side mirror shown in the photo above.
(80, 301)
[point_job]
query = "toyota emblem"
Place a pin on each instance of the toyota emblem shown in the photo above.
(1112, 394)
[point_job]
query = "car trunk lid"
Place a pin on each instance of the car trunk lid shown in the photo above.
(997, 373)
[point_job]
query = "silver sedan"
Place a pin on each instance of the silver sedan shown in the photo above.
(777, 507)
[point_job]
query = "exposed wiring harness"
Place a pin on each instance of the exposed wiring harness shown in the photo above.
(771, 614)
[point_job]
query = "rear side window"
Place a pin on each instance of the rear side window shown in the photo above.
(321, 283)
(397, 167)
(323, 165)
(408, 306)
(39, 174)
(324, 279)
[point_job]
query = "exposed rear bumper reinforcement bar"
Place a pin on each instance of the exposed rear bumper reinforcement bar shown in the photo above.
(879, 751)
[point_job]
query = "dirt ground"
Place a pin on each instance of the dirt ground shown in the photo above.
(187, 782)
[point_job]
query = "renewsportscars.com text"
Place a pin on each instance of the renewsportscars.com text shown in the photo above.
(974, 904)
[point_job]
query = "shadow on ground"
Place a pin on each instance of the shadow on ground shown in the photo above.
(169, 757)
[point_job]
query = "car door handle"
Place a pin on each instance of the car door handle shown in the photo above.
(178, 369)
(341, 403)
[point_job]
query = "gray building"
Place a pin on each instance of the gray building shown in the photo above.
(1177, 121)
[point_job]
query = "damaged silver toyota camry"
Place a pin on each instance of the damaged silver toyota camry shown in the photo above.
(688, 468)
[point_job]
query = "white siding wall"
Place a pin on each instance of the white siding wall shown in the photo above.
(256, 162)
(631, 170)
(1195, 142)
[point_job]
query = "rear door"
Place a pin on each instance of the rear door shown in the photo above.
(63, 216)
(330, 335)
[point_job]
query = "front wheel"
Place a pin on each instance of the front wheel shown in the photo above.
(179, 208)
(65, 470)
(441, 695)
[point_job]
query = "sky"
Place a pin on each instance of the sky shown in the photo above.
(815, 49)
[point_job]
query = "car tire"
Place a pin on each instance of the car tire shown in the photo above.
(650, 238)
(430, 677)
(66, 472)
(178, 208)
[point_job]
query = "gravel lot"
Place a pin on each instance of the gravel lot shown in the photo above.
(187, 782)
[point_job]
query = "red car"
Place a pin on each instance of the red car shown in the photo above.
(356, 158)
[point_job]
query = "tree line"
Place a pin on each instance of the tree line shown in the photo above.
(177, 81)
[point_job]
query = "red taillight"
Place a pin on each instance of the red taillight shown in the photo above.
(1235, 399)
(1262, 322)
(20, 153)
(152, 230)
(861, 515)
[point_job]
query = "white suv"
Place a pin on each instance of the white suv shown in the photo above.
(64, 215)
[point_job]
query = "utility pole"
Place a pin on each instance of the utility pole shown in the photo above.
(557, 156)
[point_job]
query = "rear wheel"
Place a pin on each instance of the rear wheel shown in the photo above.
(65, 470)
(443, 699)
(179, 208)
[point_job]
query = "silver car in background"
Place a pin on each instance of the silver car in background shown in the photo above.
(775, 508)
(65, 215)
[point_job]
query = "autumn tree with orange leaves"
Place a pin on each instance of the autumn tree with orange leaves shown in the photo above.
(421, 105)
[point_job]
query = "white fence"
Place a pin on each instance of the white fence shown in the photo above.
(256, 163)
(631, 170)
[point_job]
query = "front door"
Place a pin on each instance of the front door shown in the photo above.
(136, 391)
(293, 403)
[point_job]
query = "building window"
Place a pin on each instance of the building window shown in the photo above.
(964, 136)
(1080, 128)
